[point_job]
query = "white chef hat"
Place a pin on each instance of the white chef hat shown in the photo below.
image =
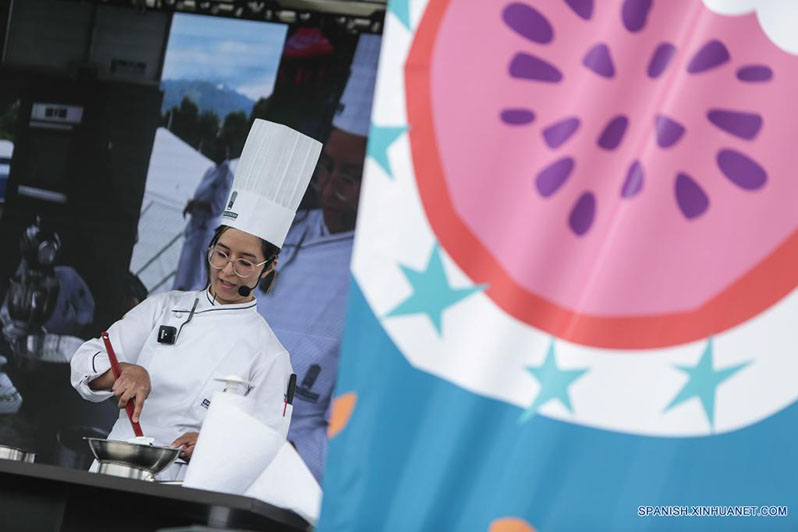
(270, 180)
(354, 108)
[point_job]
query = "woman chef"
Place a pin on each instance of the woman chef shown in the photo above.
(175, 345)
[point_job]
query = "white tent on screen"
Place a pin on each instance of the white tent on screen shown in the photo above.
(175, 171)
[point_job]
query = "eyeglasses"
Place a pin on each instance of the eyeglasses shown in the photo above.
(218, 259)
(345, 186)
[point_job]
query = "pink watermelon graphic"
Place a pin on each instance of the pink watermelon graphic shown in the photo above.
(619, 173)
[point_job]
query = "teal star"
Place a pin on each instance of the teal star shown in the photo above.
(432, 293)
(401, 9)
(704, 382)
(554, 383)
(380, 139)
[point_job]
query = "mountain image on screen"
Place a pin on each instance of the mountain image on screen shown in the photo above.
(208, 96)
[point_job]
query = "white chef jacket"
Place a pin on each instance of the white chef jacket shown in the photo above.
(220, 340)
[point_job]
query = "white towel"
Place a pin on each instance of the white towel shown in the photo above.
(233, 447)
(288, 483)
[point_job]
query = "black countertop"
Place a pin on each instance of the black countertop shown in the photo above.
(39, 498)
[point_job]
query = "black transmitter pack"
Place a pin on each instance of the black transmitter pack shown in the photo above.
(167, 334)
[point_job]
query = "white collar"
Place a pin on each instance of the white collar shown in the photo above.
(207, 303)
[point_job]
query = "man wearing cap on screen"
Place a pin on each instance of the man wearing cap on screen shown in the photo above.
(307, 305)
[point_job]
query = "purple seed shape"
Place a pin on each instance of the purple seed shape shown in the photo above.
(692, 200)
(583, 8)
(528, 23)
(599, 61)
(740, 124)
(712, 54)
(755, 73)
(551, 178)
(613, 133)
(525, 66)
(742, 171)
(660, 60)
(634, 180)
(669, 131)
(517, 117)
(556, 134)
(583, 213)
(634, 14)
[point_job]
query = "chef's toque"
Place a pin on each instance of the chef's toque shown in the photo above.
(270, 180)
(353, 114)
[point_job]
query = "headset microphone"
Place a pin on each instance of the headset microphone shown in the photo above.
(244, 290)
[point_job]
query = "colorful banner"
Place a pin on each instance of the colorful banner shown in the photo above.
(573, 303)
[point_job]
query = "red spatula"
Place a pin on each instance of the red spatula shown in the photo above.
(117, 369)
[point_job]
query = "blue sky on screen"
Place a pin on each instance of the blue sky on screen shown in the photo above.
(242, 54)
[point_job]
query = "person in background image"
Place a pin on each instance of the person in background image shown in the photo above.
(204, 210)
(74, 308)
(42, 297)
(306, 307)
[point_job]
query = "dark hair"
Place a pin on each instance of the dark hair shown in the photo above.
(270, 252)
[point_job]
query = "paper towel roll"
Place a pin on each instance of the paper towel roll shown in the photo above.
(233, 447)
(288, 483)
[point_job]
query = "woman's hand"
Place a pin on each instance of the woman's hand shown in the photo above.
(188, 441)
(133, 383)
